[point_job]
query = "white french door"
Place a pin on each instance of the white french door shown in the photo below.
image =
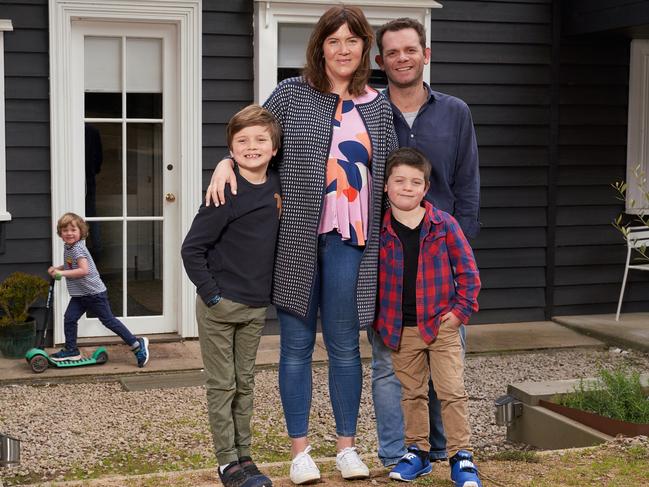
(125, 97)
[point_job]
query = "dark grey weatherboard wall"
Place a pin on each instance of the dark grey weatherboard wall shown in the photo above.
(496, 55)
(227, 72)
(593, 117)
(27, 246)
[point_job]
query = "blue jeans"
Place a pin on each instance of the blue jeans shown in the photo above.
(98, 304)
(386, 394)
(334, 292)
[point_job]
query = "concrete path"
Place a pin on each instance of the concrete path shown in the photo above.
(632, 331)
(179, 356)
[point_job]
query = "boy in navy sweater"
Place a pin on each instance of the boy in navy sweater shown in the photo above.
(228, 254)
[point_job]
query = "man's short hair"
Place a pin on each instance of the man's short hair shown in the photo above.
(400, 24)
(407, 156)
(74, 219)
(251, 116)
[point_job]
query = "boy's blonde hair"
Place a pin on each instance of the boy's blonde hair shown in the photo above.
(251, 116)
(72, 218)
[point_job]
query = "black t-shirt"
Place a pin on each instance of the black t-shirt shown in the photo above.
(230, 249)
(409, 238)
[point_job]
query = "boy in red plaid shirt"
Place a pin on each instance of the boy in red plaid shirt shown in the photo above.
(428, 286)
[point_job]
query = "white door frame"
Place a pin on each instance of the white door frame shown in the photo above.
(66, 196)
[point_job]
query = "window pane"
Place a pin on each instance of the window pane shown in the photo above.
(103, 169)
(103, 105)
(144, 256)
(144, 105)
(105, 245)
(143, 65)
(144, 169)
(102, 64)
(292, 41)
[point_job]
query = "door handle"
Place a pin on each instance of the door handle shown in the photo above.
(170, 197)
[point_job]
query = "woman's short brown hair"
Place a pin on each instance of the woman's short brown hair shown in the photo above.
(251, 116)
(314, 71)
(72, 218)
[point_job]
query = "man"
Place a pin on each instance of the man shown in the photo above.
(441, 127)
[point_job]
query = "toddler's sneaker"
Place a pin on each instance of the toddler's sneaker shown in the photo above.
(413, 464)
(350, 464)
(303, 468)
(254, 473)
(235, 476)
(142, 352)
(66, 354)
(463, 471)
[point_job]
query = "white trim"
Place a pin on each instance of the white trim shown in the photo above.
(270, 13)
(638, 127)
(400, 4)
(5, 25)
(186, 14)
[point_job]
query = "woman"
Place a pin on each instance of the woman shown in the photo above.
(337, 133)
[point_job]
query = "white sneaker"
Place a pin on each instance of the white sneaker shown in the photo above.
(350, 465)
(303, 468)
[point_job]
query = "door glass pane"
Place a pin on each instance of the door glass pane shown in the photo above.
(143, 65)
(144, 105)
(143, 78)
(103, 76)
(103, 169)
(105, 245)
(102, 105)
(144, 169)
(144, 256)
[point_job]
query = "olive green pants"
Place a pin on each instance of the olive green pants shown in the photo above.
(229, 335)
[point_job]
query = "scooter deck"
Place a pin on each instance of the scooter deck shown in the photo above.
(73, 363)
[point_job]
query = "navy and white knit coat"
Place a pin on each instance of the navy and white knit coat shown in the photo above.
(306, 115)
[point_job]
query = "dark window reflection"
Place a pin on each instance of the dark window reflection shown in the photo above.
(144, 105)
(103, 105)
(144, 257)
(105, 245)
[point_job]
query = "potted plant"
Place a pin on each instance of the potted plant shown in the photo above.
(18, 292)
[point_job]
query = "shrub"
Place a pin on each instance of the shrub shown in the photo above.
(616, 394)
(18, 292)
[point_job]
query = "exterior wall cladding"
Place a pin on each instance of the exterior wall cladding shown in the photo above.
(550, 120)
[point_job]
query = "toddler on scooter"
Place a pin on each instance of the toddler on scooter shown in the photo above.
(87, 292)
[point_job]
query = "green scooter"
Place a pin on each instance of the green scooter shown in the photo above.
(38, 358)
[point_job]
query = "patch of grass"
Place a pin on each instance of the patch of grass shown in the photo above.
(515, 456)
(616, 394)
(144, 460)
(598, 466)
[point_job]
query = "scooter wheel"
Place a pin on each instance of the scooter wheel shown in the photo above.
(102, 358)
(39, 364)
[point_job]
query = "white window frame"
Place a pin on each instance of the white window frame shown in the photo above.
(637, 158)
(186, 14)
(270, 13)
(5, 26)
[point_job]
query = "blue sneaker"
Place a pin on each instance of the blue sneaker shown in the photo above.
(66, 354)
(412, 465)
(142, 352)
(463, 471)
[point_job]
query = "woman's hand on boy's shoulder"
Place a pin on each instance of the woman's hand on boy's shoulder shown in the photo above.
(223, 174)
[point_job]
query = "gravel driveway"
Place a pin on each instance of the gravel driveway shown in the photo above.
(68, 429)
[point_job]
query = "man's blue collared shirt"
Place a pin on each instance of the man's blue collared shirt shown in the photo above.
(443, 131)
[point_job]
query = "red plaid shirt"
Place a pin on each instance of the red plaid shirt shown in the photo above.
(447, 277)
